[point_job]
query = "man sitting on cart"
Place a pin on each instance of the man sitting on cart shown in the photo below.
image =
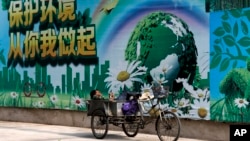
(96, 95)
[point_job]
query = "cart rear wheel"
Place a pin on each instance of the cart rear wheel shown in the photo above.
(130, 129)
(168, 127)
(99, 124)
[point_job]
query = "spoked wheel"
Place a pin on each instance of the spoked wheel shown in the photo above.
(168, 126)
(130, 129)
(99, 124)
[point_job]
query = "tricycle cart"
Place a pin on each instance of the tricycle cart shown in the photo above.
(105, 112)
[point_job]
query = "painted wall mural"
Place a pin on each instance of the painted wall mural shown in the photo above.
(229, 35)
(219, 5)
(53, 53)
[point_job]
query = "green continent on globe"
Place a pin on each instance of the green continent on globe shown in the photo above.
(158, 35)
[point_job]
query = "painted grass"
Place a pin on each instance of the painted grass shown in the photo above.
(64, 101)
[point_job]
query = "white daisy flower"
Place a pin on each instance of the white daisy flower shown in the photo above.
(34, 104)
(185, 84)
(181, 103)
(164, 66)
(78, 101)
(40, 104)
(53, 98)
(160, 80)
(200, 109)
(142, 68)
(181, 80)
(168, 68)
(125, 75)
(13, 95)
(177, 111)
(146, 88)
(199, 93)
(241, 102)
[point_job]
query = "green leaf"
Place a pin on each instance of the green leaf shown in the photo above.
(212, 53)
(245, 41)
(226, 26)
(217, 49)
(247, 14)
(229, 40)
(235, 64)
(235, 29)
(224, 64)
(5, 4)
(219, 31)
(215, 61)
(248, 50)
(244, 27)
(217, 41)
(236, 13)
(225, 16)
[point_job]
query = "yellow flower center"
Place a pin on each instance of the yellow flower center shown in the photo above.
(160, 81)
(164, 69)
(181, 103)
(241, 101)
(123, 76)
(200, 95)
(202, 112)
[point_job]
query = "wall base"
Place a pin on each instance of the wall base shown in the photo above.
(197, 129)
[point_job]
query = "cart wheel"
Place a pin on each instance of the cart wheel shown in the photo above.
(168, 126)
(99, 124)
(130, 129)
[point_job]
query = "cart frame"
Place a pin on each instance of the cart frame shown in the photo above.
(105, 112)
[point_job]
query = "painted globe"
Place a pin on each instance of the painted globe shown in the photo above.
(163, 38)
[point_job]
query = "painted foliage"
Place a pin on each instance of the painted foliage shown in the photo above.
(220, 5)
(53, 53)
(230, 65)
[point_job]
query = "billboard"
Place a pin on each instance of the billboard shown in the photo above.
(53, 53)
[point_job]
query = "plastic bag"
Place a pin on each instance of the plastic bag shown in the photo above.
(130, 107)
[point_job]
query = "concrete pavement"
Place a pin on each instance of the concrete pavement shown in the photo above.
(20, 131)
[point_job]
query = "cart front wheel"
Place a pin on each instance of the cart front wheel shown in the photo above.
(99, 124)
(168, 126)
(130, 129)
